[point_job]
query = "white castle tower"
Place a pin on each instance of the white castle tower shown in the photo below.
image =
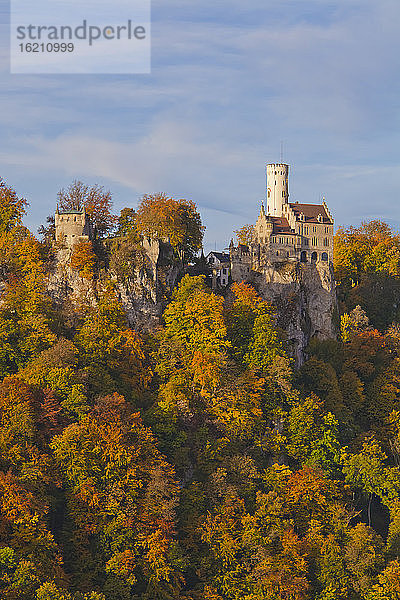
(277, 188)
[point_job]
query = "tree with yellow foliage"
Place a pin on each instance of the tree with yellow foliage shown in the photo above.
(83, 259)
(245, 234)
(176, 221)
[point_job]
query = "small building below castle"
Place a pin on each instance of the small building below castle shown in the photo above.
(219, 264)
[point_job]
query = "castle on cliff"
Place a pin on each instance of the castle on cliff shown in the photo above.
(284, 232)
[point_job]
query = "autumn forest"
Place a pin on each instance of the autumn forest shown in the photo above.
(193, 461)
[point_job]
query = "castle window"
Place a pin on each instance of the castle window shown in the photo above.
(303, 256)
(306, 242)
(314, 257)
(277, 252)
(315, 241)
(306, 230)
(324, 256)
(326, 241)
(314, 229)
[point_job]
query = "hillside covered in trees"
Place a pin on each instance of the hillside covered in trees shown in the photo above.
(193, 462)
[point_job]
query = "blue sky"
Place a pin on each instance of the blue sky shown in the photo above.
(230, 80)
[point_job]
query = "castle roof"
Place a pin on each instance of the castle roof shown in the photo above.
(310, 212)
(281, 225)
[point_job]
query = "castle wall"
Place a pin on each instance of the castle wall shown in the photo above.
(241, 268)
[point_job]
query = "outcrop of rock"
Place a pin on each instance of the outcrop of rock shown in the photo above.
(66, 285)
(305, 299)
(143, 294)
(302, 293)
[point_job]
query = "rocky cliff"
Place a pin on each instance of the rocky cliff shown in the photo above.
(303, 293)
(143, 292)
(305, 299)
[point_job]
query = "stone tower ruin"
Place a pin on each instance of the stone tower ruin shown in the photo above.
(72, 226)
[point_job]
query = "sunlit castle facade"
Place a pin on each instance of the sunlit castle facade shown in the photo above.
(290, 230)
(285, 231)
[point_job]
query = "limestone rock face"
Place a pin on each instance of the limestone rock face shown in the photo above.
(305, 299)
(66, 285)
(143, 294)
(303, 293)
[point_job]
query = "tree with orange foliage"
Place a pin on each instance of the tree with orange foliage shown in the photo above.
(13, 208)
(252, 331)
(249, 556)
(96, 200)
(122, 497)
(25, 311)
(83, 259)
(28, 478)
(372, 247)
(245, 234)
(177, 221)
(388, 586)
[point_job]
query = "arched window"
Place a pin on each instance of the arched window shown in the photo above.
(324, 256)
(314, 257)
(303, 256)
